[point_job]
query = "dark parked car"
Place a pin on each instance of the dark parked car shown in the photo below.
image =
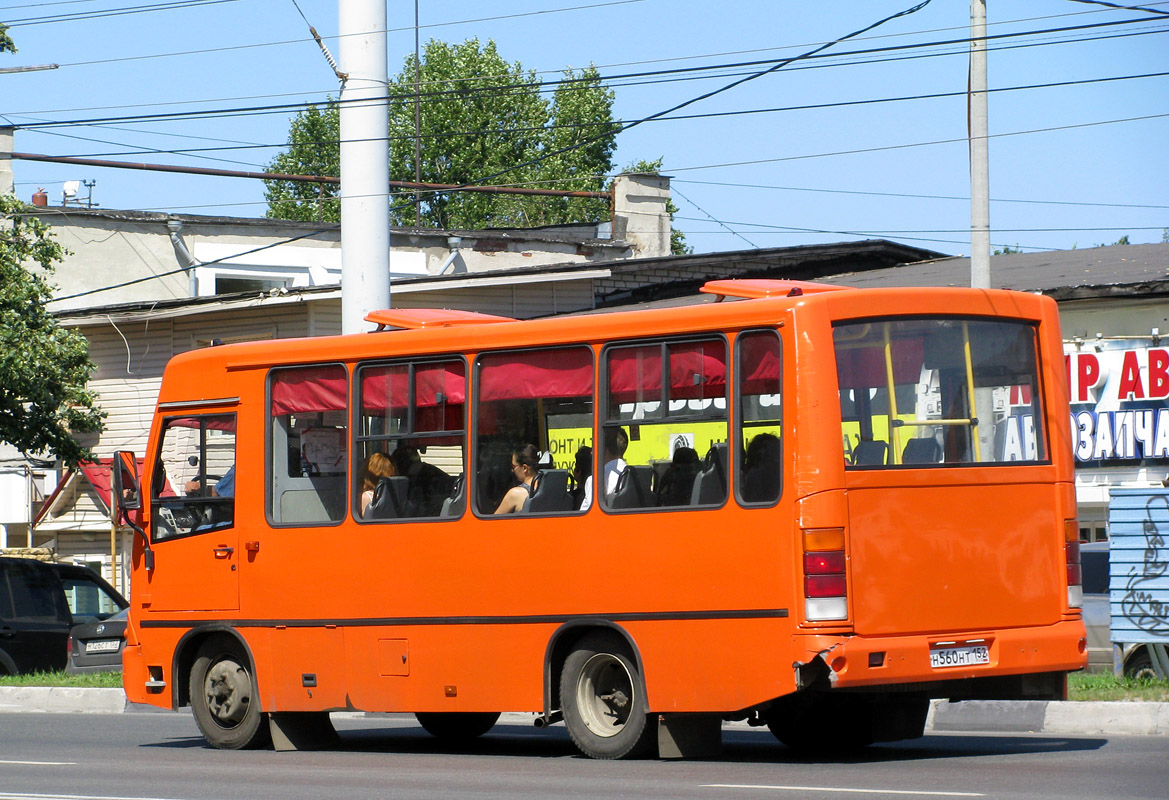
(89, 596)
(34, 617)
(99, 617)
(40, 603)
(97, 646)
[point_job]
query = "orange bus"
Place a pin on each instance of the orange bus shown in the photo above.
(815, 508)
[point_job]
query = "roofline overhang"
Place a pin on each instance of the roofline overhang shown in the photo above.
(185, 307)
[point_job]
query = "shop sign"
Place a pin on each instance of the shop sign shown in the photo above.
(1119, 393)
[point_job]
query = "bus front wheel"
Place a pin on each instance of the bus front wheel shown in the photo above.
(603, 703)
(224, 697)
(457, 726)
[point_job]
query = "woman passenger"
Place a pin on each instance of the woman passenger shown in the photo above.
(377, 466)
(523, 469)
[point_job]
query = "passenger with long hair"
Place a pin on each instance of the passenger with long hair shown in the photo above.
(377, 466)
(524, 467)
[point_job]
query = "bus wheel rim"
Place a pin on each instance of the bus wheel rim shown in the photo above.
(228, 689)
(604, 695)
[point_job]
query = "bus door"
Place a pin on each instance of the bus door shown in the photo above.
(192, 515)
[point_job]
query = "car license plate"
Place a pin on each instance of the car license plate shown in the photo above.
(959, 656)
(103, 646)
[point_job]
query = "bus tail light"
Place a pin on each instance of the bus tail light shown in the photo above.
(1072, 558)
(825, 580)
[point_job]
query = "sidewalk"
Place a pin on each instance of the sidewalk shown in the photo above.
(1028, 716)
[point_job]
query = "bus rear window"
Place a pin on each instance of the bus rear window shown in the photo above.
(922, 392)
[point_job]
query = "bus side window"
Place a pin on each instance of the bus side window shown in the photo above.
(665, 441)
(542, 398)
(760, 407)
(308, 436)
(409, 449)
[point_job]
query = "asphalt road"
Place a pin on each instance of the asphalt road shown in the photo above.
(162, 755)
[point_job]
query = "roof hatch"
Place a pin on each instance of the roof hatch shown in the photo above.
(419, 318)
(757, 289)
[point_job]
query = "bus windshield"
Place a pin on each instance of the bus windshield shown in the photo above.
(923, 392)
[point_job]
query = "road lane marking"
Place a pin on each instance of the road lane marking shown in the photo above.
(32, 796)
(43, 763)
(838, 789)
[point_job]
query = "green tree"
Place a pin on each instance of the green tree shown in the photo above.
(678, 244)
(6, 43)
(43, 367)
(480, 116)
(312, 150)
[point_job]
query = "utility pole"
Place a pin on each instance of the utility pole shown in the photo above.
(417, 121)
(979, 157)
(365, 162)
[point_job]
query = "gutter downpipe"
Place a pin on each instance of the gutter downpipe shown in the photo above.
(175, 226)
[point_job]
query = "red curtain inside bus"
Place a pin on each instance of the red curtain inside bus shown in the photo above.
(300, 391)
(864, 367)
(440, 391)
(759, 364)
(223, 422)
(543, 374)
(698, 370)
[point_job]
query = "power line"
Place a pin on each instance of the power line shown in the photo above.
(913, 144)
(629, 79)
(433, 188)
(912, 196)
(82, 16)
(767, 226)
(711, 217)
(1125, 8)
(156, 276)
(617, 123)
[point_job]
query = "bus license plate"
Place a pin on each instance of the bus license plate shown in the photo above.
(959, 656)
(102, 646)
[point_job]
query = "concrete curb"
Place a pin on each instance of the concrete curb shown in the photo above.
(994, 716)
(61, 700)
(1039, 716)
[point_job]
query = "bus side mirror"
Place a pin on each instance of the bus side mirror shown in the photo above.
(127, 494)
(128, 497)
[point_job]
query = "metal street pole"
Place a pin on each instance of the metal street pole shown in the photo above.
(365, 162)
(30, 68)
(979, 156)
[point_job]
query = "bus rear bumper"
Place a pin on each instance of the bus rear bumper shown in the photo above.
(868, 661)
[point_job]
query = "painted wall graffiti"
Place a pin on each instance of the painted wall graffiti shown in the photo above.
(1140, 605)
(1139, 564)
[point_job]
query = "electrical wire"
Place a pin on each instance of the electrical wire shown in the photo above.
(615, 123)
(625, 79)
(962, 140)
(711, 217)
(124, 284)
(1122, 7)
(965, 199)
(82, 16)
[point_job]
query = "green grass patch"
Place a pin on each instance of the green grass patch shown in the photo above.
(91, 680)
(1106, 686)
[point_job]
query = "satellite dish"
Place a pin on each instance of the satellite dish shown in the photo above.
(71, 187)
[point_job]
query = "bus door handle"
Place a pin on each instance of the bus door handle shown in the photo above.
(223, 551)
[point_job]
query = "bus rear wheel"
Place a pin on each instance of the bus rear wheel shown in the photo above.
(820, 724)
(224, 697)
(603, 703)
(457, 726)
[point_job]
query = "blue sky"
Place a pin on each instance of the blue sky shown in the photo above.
(1065, 170)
